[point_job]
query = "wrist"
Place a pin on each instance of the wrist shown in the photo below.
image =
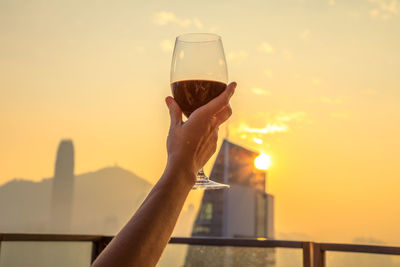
(180, 172)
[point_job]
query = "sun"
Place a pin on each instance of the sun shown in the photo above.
(262, 162)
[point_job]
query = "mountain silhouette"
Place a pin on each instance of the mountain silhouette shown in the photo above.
(103, 201)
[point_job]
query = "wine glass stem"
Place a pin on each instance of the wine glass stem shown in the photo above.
(201, 175)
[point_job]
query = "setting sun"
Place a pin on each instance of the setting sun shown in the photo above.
(262, 162)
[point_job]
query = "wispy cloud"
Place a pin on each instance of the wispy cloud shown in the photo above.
(198, 24)
(339, 115)
(293, 116)
(316, 81)
(213, 29)
(258, 140)
(237, 56)
(163, 18)
(139, 48)
(369, 92)
(266, 48)
(330, 100)
(268, 73)
(384, 9)
(167, 45)
(287, 55)
(274, 124)
(277, 123)
(268, 129)
(260, 91)
(305, 34)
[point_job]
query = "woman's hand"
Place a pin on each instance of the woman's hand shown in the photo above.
(190, 144)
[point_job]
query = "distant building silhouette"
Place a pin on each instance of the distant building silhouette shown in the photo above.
(63, 188)
(243, 211)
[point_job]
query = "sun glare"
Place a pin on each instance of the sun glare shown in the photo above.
(262, 162)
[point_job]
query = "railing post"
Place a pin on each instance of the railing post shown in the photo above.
(1, 241)
(308, 254)
(318, 255)
(97, 247)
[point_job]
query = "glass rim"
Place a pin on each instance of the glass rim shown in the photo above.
(196, 37)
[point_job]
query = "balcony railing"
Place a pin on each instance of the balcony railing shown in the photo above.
(313, 253)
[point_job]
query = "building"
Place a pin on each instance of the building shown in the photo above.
(244, 210)
(62, 188)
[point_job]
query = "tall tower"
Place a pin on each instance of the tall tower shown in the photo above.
(245, 210)
(63, 187)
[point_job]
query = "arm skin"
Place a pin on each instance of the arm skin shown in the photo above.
(190, 145)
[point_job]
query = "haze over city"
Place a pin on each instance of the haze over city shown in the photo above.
(318, 91)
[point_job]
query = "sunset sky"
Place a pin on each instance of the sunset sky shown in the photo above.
(318, 91)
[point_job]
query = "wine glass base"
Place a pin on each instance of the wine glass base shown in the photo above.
(207, 184)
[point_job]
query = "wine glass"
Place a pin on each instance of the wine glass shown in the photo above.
(198, 74)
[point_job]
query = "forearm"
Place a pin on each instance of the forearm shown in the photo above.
(142, 240)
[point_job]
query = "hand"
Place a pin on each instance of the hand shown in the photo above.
(190, 144)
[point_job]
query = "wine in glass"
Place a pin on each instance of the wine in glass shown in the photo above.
(198, 75)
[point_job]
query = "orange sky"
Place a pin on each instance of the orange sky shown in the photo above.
(318, 85)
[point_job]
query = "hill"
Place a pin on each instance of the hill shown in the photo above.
(102, 202)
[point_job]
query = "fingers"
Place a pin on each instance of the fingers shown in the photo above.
(221, 101)
(223, 115)
(175, 111)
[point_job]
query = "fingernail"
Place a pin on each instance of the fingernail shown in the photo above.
(168, 100)
(233, 87)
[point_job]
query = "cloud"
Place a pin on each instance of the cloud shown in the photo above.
(164, 18)
(294, 116)
(167, 45)
(279, 123)
(267, 124)
(237, 56)
(339, 115)
(369, 92)
(316, 81)
(197, 23)
(353, 14)
(213, 29)
(305, 34)
(139, 48)
(268, 129)
(260, 91)
(266, 48)
(287, 55)
(329, 100)
(268, 73)
(258, 140)
(374, 13)
(384, 9)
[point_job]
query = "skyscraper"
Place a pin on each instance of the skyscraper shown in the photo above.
(62, 188)
(243, 211)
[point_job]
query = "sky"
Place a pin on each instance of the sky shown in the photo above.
(318, 91)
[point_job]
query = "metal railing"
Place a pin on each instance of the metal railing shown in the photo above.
(313, 252)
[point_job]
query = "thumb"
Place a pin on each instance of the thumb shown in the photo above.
(175, 111)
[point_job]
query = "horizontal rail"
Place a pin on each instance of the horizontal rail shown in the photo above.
(313, 253)
(360, 248)
(203, 241)
(53, 237)
(235, 242)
